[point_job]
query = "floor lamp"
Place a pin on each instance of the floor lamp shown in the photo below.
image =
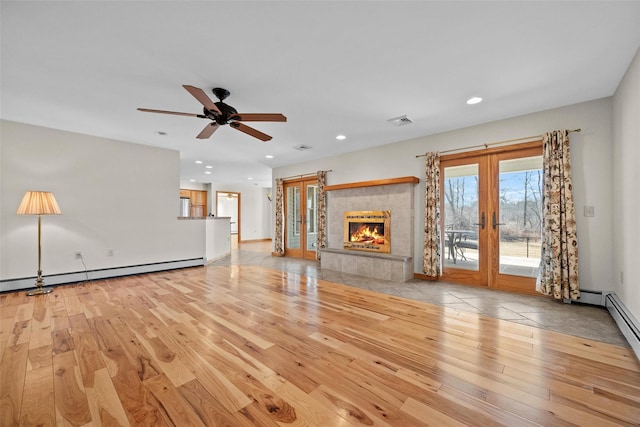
(39, 203)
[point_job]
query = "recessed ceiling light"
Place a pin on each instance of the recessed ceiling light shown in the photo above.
(474, 100)
(192, 180)
(341, 137)
(209, 167)
(199, 162)
(208, 172)
(249, 178)
(269, 156)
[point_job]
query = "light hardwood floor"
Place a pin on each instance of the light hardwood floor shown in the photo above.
(247, 345)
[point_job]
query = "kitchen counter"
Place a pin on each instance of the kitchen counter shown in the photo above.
(203, 217)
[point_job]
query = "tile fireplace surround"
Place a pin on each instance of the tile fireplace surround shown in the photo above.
(395, 195)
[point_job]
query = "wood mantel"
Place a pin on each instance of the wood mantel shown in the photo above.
(389, 181)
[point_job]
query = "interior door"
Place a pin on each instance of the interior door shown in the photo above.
(228, 203)
(301, 208)
(492, 217)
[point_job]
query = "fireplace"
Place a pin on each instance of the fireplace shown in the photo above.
(368, 231)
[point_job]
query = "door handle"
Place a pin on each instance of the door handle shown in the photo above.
(495, 223)
(482, 221)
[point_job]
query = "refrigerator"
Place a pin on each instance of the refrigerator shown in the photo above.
(185, 206)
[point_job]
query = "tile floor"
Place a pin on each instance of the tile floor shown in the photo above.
(582, 320)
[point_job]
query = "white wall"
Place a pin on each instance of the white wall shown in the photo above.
(113, 195)
(626, 178)
(187, 185)
(218, 238)
(268, 220)
(592, 168)
(255, 219)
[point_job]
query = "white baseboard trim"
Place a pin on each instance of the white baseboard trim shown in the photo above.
(8, 285)
(627, 323)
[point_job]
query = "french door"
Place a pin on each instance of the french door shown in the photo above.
(491, 204)
(301, 218)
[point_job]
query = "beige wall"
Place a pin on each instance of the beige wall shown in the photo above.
(626, 187)
(113, 195)
(592, 168)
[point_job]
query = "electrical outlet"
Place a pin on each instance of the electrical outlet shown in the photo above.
(78, 255)
(109, 252)
(589, 211)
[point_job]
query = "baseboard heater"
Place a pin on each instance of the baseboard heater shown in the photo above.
(592, 297)
(627, 323)
(104, 273)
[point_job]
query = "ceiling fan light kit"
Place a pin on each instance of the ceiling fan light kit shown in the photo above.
(222, 114)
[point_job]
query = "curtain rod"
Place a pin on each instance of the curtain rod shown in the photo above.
(488, 144)
(305, 174)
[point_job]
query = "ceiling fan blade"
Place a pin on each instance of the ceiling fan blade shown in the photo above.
(258, 117)
(208, 130)
(177, 113)
(202, 98)
(250, 131)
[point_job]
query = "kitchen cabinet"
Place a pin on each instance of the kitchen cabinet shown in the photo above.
(198, 202)
(198, 198)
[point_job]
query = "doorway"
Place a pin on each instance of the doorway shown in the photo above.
(301, 218)
(228, 203)
(491, 204)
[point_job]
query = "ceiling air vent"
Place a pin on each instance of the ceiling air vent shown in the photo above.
(302, 147)
(400, 121)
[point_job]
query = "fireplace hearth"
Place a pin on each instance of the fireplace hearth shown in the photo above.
(367, 231)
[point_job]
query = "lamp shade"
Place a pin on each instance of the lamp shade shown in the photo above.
(38, 203)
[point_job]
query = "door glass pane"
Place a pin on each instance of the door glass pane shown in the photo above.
(520, 195)
(293, 217)
(460, 217)
(312, 215)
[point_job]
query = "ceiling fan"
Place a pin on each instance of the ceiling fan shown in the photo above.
(223, 114)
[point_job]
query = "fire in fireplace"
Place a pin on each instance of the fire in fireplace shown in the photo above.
(367, 231)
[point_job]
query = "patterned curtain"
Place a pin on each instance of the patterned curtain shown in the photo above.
(431, 252)
(558, 274)
(321, 239)
(278, 247)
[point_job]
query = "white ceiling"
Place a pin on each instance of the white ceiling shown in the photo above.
(330, 67)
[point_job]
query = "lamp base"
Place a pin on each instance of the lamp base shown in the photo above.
(39, 291)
